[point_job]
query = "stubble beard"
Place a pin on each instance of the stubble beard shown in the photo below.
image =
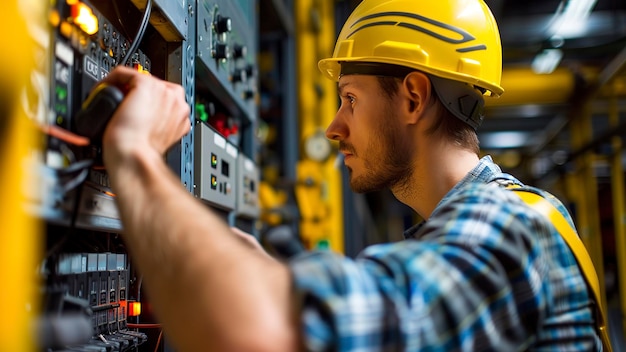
(387, 161)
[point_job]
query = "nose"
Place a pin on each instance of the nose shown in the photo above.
(337, 130)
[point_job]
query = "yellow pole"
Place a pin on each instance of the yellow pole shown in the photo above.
(619, 207)
(318, 181)
(588, 212)
(327, 112)
(19, 241)
(575, 182)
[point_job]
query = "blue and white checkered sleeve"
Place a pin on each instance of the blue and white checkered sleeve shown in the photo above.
(342, 308)
(453, 291)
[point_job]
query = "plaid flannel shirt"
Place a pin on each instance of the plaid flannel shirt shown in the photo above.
(483, 273)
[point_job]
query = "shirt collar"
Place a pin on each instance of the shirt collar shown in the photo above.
(484, 172)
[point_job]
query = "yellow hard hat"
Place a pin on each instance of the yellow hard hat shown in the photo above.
(453, 39)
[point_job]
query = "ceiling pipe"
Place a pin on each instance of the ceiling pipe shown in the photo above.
(611, 71)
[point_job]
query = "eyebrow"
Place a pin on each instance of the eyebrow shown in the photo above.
(342, 86)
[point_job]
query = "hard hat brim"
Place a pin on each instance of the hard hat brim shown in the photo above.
(331, 68)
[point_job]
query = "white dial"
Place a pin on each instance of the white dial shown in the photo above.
(317, 147)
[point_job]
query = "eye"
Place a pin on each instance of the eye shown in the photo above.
(348, 98)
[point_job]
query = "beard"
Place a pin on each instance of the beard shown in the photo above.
(387, 160)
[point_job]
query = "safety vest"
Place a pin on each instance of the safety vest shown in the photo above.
(570, 236)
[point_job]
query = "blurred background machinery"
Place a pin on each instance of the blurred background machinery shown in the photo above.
(257, 154)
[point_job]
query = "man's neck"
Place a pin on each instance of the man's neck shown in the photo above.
(436, 172)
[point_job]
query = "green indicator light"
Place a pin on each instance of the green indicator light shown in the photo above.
(201, 112)
(213, 160)
(323, 244)
(61, 93)
(61, 109)
(59, 120)
(213, 182)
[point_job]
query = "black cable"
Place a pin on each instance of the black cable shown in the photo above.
(139, 293)
(76, 206)
(75, 167)
(82, 168)
(76, 181)
(142, 29)
(119, 17)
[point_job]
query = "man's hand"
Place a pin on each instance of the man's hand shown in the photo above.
(151, 118)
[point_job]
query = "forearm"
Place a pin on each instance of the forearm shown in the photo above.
(196, 271)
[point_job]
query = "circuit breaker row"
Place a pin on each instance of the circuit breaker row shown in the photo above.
(101, 281)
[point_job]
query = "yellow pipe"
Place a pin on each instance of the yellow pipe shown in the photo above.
(19, 242)
(315, 35)
(619, 207)
(523, 86)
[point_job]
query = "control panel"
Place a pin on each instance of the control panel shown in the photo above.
(85, 47)
(226, 47)
(248, 179)
(209, 48)
(225, 105)
(216, 167)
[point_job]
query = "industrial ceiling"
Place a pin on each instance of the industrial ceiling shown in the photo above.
(582, 46)
(586, 40)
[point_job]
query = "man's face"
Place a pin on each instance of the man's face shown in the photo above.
(376, 147)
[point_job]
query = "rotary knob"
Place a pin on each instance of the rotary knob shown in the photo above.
(248, 94)
(250, 70)
(220, 51)
(240, 51)
(239, 75)
(223, 24)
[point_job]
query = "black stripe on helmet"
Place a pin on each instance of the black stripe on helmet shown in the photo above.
(374, 69)
(465, 37)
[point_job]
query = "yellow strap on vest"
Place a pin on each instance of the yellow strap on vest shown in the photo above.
(570, 236)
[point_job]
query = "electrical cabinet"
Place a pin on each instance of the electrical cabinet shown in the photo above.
(209, 48)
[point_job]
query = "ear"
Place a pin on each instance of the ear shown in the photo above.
(417, 90)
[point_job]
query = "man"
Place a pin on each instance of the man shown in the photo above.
(484, 272)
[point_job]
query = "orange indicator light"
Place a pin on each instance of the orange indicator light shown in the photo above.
(134, 309)
(54, 18)
(84, 18)
(66, 29)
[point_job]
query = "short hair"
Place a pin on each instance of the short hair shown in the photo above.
(447, 125)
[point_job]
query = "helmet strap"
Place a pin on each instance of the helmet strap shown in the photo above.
(461, 99)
